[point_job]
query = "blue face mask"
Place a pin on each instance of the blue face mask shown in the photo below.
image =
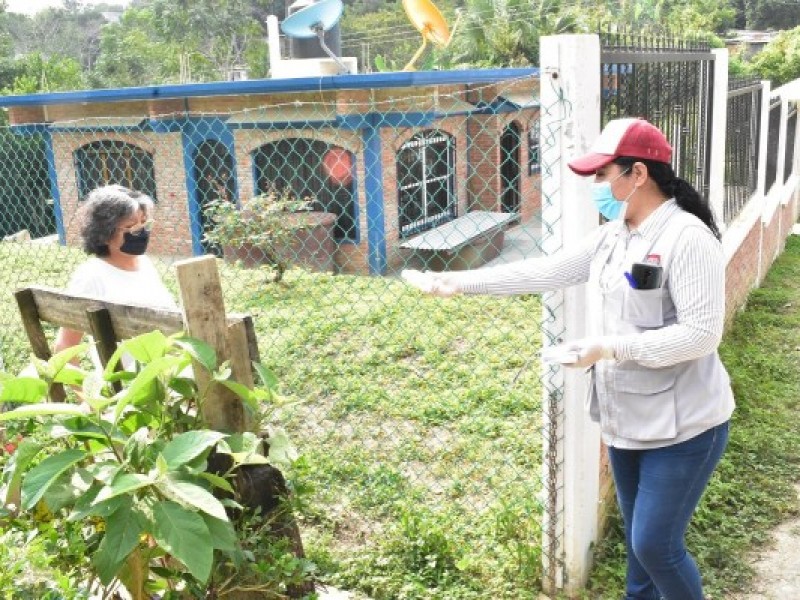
(606, 203)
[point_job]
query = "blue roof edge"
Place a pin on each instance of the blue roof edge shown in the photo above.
(266, 86)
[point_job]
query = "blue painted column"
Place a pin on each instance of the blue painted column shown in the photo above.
(194, 132)
(55, 194)
(373, 187)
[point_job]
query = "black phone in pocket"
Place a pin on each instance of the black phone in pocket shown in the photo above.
(647, 276)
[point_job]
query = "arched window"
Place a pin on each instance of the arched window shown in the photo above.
(105, 162)
(426, 182)
(214, 177)
(311, 169)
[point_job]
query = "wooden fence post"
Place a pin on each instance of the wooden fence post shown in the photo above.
(205, 319)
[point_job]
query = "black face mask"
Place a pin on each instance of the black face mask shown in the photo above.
(135, 243)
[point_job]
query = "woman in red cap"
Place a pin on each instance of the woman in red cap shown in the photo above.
(655, 273)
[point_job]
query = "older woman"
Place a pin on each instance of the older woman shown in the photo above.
(115, 228)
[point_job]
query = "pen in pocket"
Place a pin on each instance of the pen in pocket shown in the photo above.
(631, 280)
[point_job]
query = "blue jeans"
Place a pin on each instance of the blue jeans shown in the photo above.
(658, 490)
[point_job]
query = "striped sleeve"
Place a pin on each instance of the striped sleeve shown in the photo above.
(696, 283)
(565, 268)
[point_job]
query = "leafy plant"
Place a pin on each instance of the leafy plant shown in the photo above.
(262, 229)
(132, 468)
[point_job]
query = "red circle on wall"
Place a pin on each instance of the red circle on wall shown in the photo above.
(338, 166)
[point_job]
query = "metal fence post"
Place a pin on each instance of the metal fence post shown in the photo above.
(570, 121)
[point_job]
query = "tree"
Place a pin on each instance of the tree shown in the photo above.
(779, 61)
(772, 14)
(506, 32)
(37, 73)
(226, 33)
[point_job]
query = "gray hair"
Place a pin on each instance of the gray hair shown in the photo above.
(102, 212)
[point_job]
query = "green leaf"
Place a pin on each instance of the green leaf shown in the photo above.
(199, 350)
(185, 535)
(141, 386)
(122, 535)
(70, 375)
(81, 428)
(217, 481)
(61, 493)
(223, 535)
(281, 450)
(266, 376)
(23, 390)
(246, 458)
(42, 409)
(86, 507)
(124, 483)
(247, 442)
(25, 453)
(43, 475)
(146, 347)
(244, 392)
(187, 446)
(192, 496)
(184, 386)
(61, 359)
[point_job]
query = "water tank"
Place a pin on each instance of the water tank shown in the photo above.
(309, 47)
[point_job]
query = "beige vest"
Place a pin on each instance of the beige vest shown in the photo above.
(637, 406)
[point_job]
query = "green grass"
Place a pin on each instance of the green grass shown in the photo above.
(417, 418)
(752, 490)
(423, 455)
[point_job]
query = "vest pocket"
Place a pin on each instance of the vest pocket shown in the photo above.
(643, 308)
(645, 404)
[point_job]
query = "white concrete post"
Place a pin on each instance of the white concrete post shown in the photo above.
(761, 189)
(570, 121)
(781, 158)
(766, 95)
(719, 127)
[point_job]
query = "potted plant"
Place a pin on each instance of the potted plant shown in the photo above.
(274, 228)
(139, 474)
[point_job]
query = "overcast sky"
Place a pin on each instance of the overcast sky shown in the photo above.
(30, 7)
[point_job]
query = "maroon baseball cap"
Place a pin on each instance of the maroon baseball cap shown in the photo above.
(635, 138)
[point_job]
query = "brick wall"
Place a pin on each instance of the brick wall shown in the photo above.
(478, 184)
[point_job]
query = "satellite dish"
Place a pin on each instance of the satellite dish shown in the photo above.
(313, 21)
(427, 19)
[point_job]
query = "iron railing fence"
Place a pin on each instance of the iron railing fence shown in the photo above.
(670, 82)
(420, 419)
(791, 139)
(742, 140)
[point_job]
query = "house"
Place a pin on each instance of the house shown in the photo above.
(390, 154)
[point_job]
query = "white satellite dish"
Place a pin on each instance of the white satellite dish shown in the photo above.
(313, 21)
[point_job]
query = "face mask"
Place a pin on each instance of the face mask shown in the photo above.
(135, 243)
(606, 203)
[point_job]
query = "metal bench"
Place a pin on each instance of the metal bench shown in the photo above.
(466, 242)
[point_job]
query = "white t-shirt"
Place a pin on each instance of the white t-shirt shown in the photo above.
(98, 279)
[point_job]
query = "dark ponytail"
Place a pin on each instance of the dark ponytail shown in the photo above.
(672, 186)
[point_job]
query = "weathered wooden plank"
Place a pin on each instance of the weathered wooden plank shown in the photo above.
(104, 336)
(31, 320)
(69, 310)
(204, 310)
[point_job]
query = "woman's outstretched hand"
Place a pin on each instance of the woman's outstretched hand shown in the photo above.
(430, 282)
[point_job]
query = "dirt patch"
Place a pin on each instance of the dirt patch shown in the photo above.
(778, 567)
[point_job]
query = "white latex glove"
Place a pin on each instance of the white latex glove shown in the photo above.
(580, 354)
(430, 282)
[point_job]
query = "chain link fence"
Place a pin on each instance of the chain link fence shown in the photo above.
(419, 419)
